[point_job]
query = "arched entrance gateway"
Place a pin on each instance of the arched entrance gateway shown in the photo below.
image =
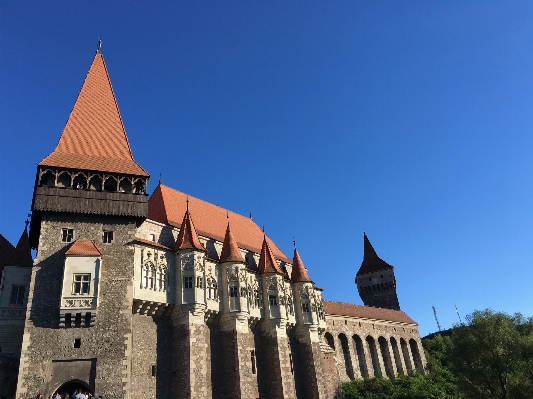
(71, 386)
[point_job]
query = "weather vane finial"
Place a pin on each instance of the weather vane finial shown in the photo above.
(99, 47)
(294, 242)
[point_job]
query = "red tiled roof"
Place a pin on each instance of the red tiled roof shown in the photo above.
(368, 312)
(230, 250)
(22, 254)
(267, 261)
(94, 137)
(153, 244)
(371, 261)
(299, 274)
(188, 237)
(83, 248)
(167, 205)
(6, 250)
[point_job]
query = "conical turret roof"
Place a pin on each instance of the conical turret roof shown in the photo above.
(267, 261)
(371, 261)
(94, 137)
(22, 255)
(6, 250)
(188, 237)
(299, 274)
(230, 250)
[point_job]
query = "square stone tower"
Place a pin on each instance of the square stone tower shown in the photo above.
(89, 196)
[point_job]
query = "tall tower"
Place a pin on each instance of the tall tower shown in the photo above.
(375, 280)
(89, 196)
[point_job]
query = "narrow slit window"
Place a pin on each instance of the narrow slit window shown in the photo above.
(77, 343)
(252, 358)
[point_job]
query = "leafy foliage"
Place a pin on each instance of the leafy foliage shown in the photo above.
(489, 357)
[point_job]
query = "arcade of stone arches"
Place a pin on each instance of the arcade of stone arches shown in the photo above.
(370, 357)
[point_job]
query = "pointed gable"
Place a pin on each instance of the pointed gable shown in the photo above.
(371, 261)
(299, 274)
(22, 255)
(94, 137)
(167, 205)
(6, 251)
(267, 261)
(84, 248)
(188, 237)
(230, 250)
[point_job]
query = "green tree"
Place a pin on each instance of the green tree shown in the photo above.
(491, 355)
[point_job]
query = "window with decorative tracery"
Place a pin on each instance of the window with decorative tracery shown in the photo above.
(160, 279)
(211, 289)
(258, 298)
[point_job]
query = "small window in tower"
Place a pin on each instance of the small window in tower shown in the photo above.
(290, 361)
(305, 307)
(187, 282)
(273, 300)
(108, 237)
(369, 279)
(77, 343)
(67, 235)
(17, 295)
(233, 293)
(152, 237)
(153, 370)
(382, 276)
(81, 284)
(199, 282)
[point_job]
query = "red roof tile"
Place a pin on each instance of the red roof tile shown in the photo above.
(167, 205)
(22, 254)
(368, 312)
(84, 248)
(6, 250)
(299, 274)
(230, 250)
(153, 244)
(267, 261)
(94, 137)
(371, 261)
(188, 237)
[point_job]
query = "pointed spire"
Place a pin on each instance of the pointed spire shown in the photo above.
(188, 237)
(230, 250)
(94, 137)
(22, 255)
(299, 274)
(371, 261)
(267, 261)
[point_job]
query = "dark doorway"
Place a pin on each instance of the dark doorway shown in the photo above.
(71, 386)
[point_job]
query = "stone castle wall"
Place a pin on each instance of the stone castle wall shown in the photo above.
(108, 343)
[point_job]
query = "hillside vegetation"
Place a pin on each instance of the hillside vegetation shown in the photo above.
(489, 357)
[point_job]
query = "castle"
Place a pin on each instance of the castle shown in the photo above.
(171, 296)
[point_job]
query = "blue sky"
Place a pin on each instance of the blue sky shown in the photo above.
(410, 120)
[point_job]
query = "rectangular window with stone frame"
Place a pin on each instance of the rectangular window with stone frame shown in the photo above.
(67, 235)
(187, 282)
(81, 284)
(17, 295)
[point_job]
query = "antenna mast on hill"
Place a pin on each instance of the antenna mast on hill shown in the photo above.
(458, 315)
(436, 319)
